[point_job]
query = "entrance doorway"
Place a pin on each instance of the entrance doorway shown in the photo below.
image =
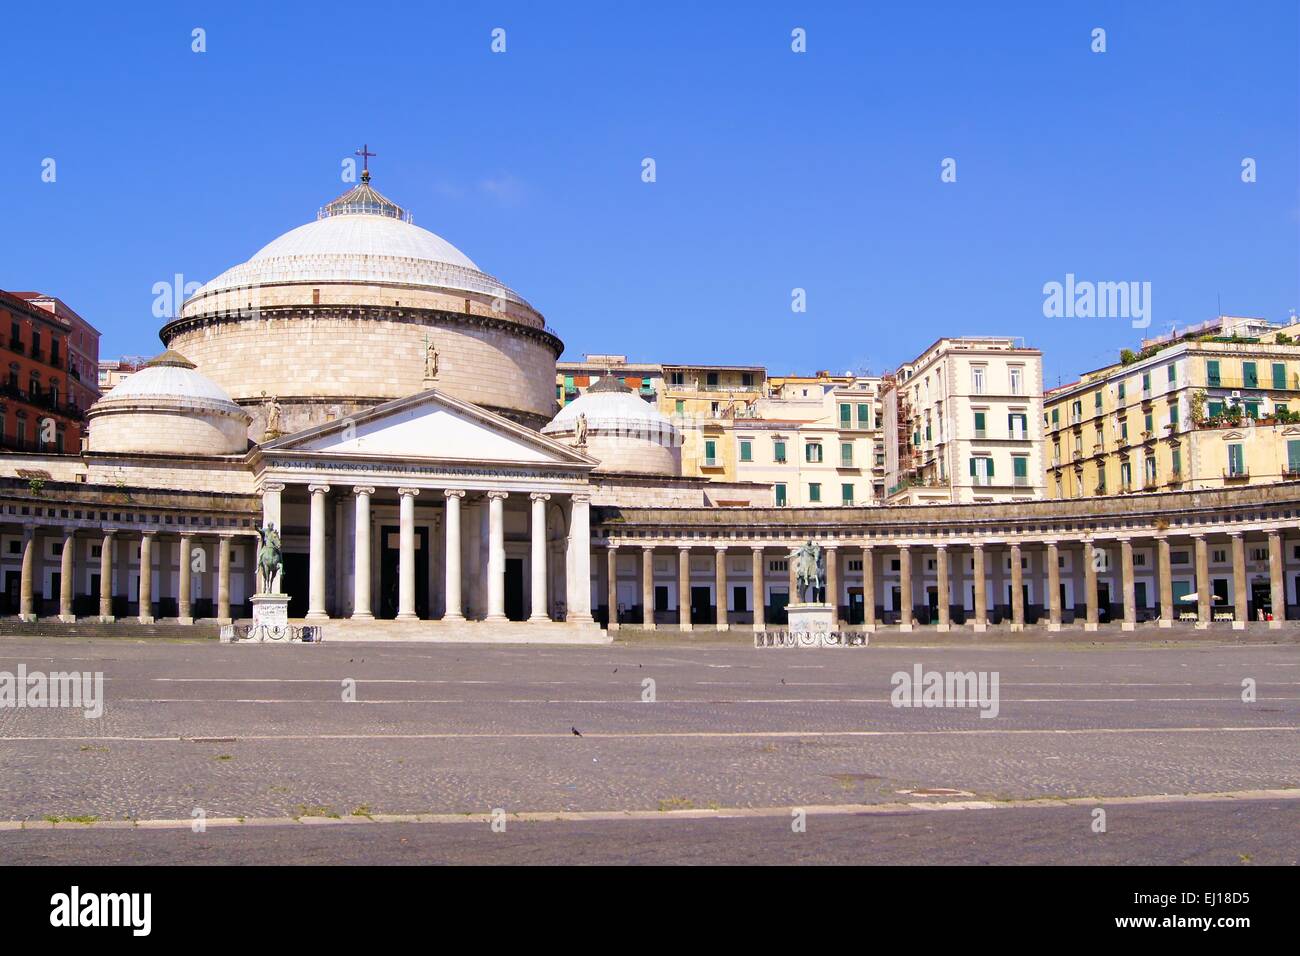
(294, 581)
(390, 556)
(515, 589)
(701, 605)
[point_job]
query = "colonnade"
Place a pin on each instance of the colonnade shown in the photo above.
(963, 568)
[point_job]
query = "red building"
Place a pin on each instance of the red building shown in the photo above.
(49, 364)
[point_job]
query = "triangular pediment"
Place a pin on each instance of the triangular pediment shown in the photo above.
(430, 426)
(1233, 434)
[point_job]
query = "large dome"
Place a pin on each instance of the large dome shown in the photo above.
(360, 307)
(361, 237)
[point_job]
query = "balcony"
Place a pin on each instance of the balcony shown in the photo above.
(710, 463)
(1150, 484)
(1021, 481)
(1291, 474)
(1236, 474)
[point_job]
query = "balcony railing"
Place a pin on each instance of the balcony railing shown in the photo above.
(1236, 474)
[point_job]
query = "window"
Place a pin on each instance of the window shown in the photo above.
(1017, 425)
(1236, 461)
(1279, 375)
(747, 379)
(812, 452)
(979, 425)
(977, 379)
(1020, 468)
(981, 469)
(1249, 375)
(1125, 476)
(778, 452)
(864, 415)
(780, 495)
(1096, 400)
(1121, 391)
(1150, 465)
(1214, 409)
(1172, 369)
(1252, 409)
(1123, 429)
(1146, 383)
(1056, 417)
(1212, 378)
(681, 406)
(1173, 417)
(1293, 455)
(746, 450)
(1148, 423)
(676, 378)
(1176, 463)
(1017, 376)
(711, 379)
(846, 415)
(814, 492)
(710, 454)
(846, 454)
(846, 494)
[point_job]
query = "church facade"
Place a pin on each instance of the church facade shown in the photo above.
(362, 386)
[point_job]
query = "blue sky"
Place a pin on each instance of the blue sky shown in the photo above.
(775, 170)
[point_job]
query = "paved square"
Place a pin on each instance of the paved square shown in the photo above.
(261, 742)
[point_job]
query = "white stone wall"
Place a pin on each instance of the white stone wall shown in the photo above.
(382, 358)
(639, 455)
(185, 431)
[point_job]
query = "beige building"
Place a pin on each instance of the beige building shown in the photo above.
(964, 421)
(1213, 406)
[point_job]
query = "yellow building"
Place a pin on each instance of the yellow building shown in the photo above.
(1218, 406)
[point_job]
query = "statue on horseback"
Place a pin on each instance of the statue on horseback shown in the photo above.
(269, 558)
(809, 564)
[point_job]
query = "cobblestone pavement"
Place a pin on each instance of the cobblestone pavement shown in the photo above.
(264, 731)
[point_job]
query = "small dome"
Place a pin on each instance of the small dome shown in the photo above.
(624, 432)
(169, 375)
(168, 407)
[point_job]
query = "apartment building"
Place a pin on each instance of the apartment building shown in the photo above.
(1213, 406)
(574, 378)
(815, 439)
(964, 423)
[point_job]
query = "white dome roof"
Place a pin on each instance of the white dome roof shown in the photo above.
(363, 235)
(612, 409)
(360, 237)
(168, 379)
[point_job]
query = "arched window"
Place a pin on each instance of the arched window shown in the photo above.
(54, 392)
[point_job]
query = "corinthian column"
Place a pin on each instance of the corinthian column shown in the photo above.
(537, 597)
(316, 555)
(106, 578)
(361, 555)
(67, 576)
(184, 613)
(146, 577)
(453, 610)
(406, 555)
(496, 585)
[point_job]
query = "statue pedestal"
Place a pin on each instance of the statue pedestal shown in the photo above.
(271, 611)
(814, 620)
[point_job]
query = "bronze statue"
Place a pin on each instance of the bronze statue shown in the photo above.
(809, 563)
(270, 558)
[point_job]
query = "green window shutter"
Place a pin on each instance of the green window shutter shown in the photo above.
(681, 406)
(1096, 399)
(710, 450)
(1056, 416)
(1279, 375)
(1212, 372)
(568, 383)
(1021, 467)
(979, 421)
(1214, 409)
(864, 416)
(990, 461)
(1146, 381)
(1173, 373)
(972, 467)
(1234, 459)
(846, 494)
(1173, 415)
(780, 494)
(1249, 375)
(746, 451)
(846, 453)
(1147, 423)
(1178, 460)
(814, 492)
(778, 451)
(1293, 455)
(846, 415)
(1252, 409)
